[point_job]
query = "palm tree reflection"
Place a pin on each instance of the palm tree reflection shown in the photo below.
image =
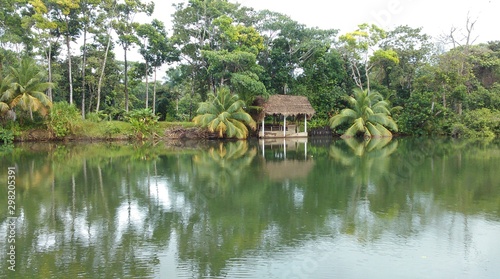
(367, 160)
(367, 163)
(222, 166)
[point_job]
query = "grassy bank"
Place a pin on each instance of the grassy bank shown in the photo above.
(103, 130)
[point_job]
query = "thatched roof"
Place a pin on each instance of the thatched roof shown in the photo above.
(288, 105)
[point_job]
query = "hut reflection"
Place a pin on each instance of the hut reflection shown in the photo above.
(285, 159)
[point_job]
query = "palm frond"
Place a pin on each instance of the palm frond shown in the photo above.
(344, 116)
(373, 130)
(3, 108)
(223, 113)
(384, 131)
(242, 130)
(368, 111)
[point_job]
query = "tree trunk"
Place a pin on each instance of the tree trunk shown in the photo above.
(99, 86)
(49, 59)
(70, 78)
(367, 82)
(192, 95)
(84, 62)
(147, 85)
(126, 78)
(367, 72)
(154, 93)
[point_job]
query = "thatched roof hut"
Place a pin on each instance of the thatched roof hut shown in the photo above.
(287, 105)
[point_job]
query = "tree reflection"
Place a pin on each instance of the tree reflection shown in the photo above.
(222, 166)
(110, 211)
(367, 160)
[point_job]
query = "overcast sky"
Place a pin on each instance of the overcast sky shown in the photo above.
(435, 16)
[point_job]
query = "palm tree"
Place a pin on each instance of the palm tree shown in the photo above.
(28, 87)
(4, 86)
(223, 113)
(369, 114)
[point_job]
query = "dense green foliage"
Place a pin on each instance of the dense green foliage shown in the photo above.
(143, 122)
(369, 115)
(64, 119)
(217, 44)
(6, 136)
(223, 113)
(24, 87)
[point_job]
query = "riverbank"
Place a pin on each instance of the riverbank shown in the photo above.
(114, 131)
(89, 131)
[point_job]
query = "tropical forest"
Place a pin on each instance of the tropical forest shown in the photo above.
(81, 67)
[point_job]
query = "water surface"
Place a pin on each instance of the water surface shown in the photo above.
(408, 208)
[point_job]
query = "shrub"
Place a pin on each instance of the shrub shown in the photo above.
(482, 122)
(422, 115)
(317, 123)
(143, 121)
(95, 117)
(6, 136)
(64, 119)
(110, 130)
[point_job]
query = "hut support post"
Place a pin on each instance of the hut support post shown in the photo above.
(284, 125)
(263, 126)
(305, 123)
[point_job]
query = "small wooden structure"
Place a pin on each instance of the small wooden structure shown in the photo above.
(286, 106)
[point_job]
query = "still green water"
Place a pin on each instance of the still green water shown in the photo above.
(408, 208)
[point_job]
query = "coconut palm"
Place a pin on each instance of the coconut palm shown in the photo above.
(4, 86)
(27, 89)
(369, 114)
(223, 113)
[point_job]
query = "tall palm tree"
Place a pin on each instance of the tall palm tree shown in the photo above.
(28, 88)
(369, 114)
(223, 113)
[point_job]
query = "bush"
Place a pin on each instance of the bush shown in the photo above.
(482, 122)
(64, 119)
(115, 113)
(110, 130)
(422, 115)
(143, 121)
(96, 117)
(6, 136)
(317, 123)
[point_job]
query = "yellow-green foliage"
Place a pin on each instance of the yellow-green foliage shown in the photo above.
(64, 119)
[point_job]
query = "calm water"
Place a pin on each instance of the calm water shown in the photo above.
(409, 208)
